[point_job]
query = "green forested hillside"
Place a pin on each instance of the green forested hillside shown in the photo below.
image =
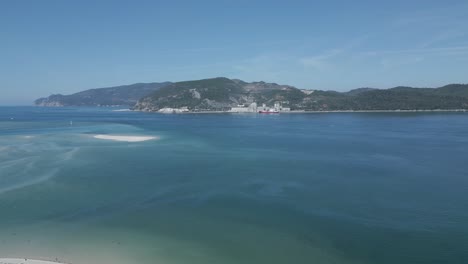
(118, 95)
(398, 98)
(223, 93)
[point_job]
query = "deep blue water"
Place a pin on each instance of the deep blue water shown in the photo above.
(233, 188)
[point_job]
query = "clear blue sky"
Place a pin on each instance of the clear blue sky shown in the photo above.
(67, 46)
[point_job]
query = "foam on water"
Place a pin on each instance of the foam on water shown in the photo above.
(33, 165)
(35, 180)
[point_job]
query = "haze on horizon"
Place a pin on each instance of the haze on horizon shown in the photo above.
(65, 47)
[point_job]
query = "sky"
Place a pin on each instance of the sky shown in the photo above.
(49, 47)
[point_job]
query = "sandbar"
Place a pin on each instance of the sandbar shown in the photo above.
(125, 138)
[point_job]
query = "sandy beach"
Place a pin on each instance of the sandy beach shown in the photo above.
(125, 138)
(24, 261)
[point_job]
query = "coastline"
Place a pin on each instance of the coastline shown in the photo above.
(286, 112)
(319, 112)
(382, 111)
(27, 261)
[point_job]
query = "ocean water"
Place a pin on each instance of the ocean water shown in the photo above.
(232, 188)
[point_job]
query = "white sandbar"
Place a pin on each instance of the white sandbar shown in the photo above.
(24, 261)
(125, 138)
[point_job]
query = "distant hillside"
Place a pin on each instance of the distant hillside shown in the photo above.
(217, 94)
(223, 93)
(453, 96)
(118, 95)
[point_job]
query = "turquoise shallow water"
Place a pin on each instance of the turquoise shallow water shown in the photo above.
(215, 188)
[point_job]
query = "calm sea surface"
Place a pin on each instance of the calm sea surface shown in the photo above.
(232, 188)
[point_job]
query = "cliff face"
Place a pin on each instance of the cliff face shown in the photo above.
(118, 95)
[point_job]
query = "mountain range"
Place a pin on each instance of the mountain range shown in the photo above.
(110, 96)
(222, 93)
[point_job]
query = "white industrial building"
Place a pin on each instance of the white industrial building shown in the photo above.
(253, 108)
(169, 110)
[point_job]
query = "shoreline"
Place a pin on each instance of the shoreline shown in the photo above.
(27, 260)
(318, 112)
(288, 112)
